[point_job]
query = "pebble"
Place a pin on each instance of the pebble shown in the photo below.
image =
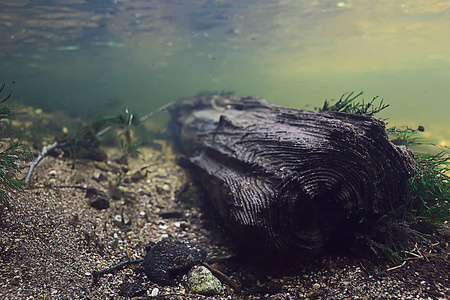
(155, 292)
(101, 165)
(99, 203)
(202, 281)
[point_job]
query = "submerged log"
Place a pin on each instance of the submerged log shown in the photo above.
(285, 179)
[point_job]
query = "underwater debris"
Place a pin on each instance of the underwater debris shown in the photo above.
(285, 179)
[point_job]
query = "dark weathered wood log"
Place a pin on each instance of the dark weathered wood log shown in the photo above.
(284, 179)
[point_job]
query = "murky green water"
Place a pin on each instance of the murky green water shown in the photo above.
(88, 57)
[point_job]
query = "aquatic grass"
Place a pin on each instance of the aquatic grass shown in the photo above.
(2, 87)
(10, 160)
(348, 104)
(430, 187)
(429, 193)
(404, 136)
(9, 169)
(85, 142)
(427, 205)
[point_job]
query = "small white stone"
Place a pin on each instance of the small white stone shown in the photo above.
(155, 292)
(97, 174)
(88, 274)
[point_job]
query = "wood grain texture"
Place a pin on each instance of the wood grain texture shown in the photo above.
(284, 179)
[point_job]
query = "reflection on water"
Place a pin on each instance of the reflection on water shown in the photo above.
(86, 57)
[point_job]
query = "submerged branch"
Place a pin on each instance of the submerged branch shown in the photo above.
(39, 158)
(57, 144)
(98, 274)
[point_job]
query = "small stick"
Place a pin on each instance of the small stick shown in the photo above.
(129, 258)
(414, 254)
(362, 266)
(413, 258)
(141, 119)
(43, 153)
(160, 109)
(58, 187)
(396, 267)
(98, 274)
(224, 277)
(56, 144)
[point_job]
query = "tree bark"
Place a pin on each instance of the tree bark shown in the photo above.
(285, 179)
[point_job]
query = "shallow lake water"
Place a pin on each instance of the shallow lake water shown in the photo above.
(89, 57)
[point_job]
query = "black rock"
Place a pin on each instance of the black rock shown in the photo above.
(170, 258)
(130, 290)
(96, 198)
(171, 214)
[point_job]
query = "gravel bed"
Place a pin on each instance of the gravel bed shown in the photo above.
(52, 241)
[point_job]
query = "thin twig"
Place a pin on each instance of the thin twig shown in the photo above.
(141, 119)
(43, 153)
(98, 274)
(224, 277)
(59, 187)
(158, 110)
(414, 254)
(57, 144)
(396, 267)
(362, 266)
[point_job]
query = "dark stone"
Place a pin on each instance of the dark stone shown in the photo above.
(99, 203)
(97, 199)
(137, 176)
(130, 290)
(170, 258)
(173, 214)
(285, 179)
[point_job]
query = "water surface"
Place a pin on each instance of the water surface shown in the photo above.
(87, 57)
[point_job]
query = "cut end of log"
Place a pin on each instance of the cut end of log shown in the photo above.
(285, 179)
